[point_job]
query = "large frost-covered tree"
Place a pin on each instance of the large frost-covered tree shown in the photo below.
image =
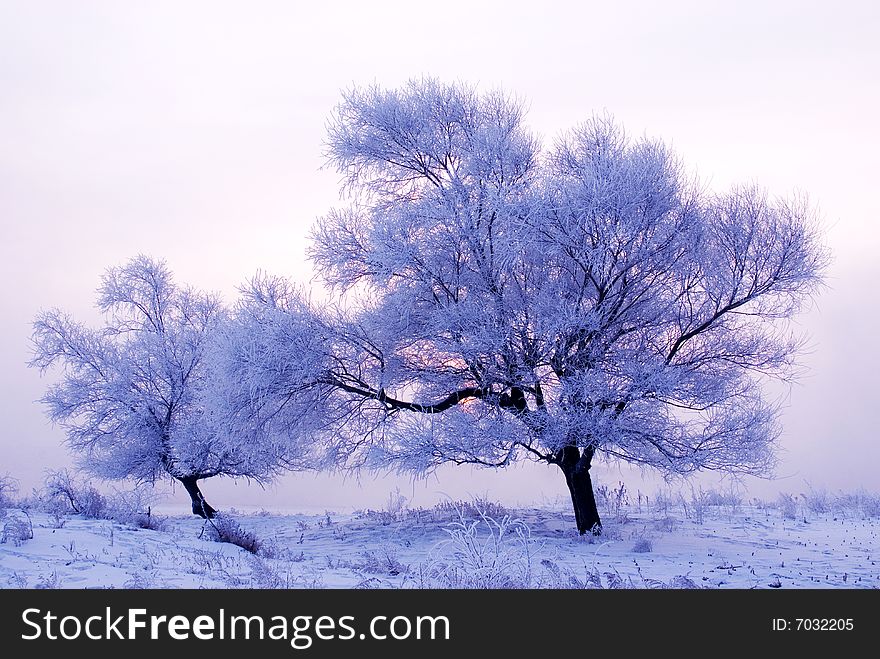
(131, 395)
(498, 301)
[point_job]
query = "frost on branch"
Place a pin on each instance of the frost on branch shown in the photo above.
(502, 301)
(131, 395)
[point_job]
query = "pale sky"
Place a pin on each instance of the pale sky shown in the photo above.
(192, 132)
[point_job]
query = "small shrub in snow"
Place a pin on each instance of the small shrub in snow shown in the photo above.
(563, 577)
(92, 503)
(58, 519)
(370, 583)
(682, 582)
(816, 501)
(696, 508)
(473, 509)
(714, 498)
(141, 520)
(787, 505)
(264, 575)
(859, 502)
(612, 500)
(48, 582)
(133, 507)
(558, 576)
(386, 563)
(18, 581)
(664, 501)
(483, 553)
(223, 528)
(81, 498)
(733, 499)
(140, 581)
(65, 494)
(445, 511)
(396, 504)
(729, 497)
(271, 549)
(643, 546)
(17, 530)
(869, 504)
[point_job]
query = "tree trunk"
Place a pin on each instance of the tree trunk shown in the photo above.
(576, 467)
(200, 507)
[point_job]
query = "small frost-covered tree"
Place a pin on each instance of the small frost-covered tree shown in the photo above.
(131, 397)
(499, 301)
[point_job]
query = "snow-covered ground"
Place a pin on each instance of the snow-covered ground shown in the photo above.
(717, 546)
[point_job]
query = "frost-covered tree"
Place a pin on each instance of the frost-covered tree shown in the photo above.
(131, 395)
(498, 301)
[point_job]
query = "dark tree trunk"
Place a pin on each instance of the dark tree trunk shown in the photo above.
(576, 467)
(200, 507)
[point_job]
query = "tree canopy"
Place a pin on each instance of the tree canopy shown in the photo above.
(132, 397)
(498, 300)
